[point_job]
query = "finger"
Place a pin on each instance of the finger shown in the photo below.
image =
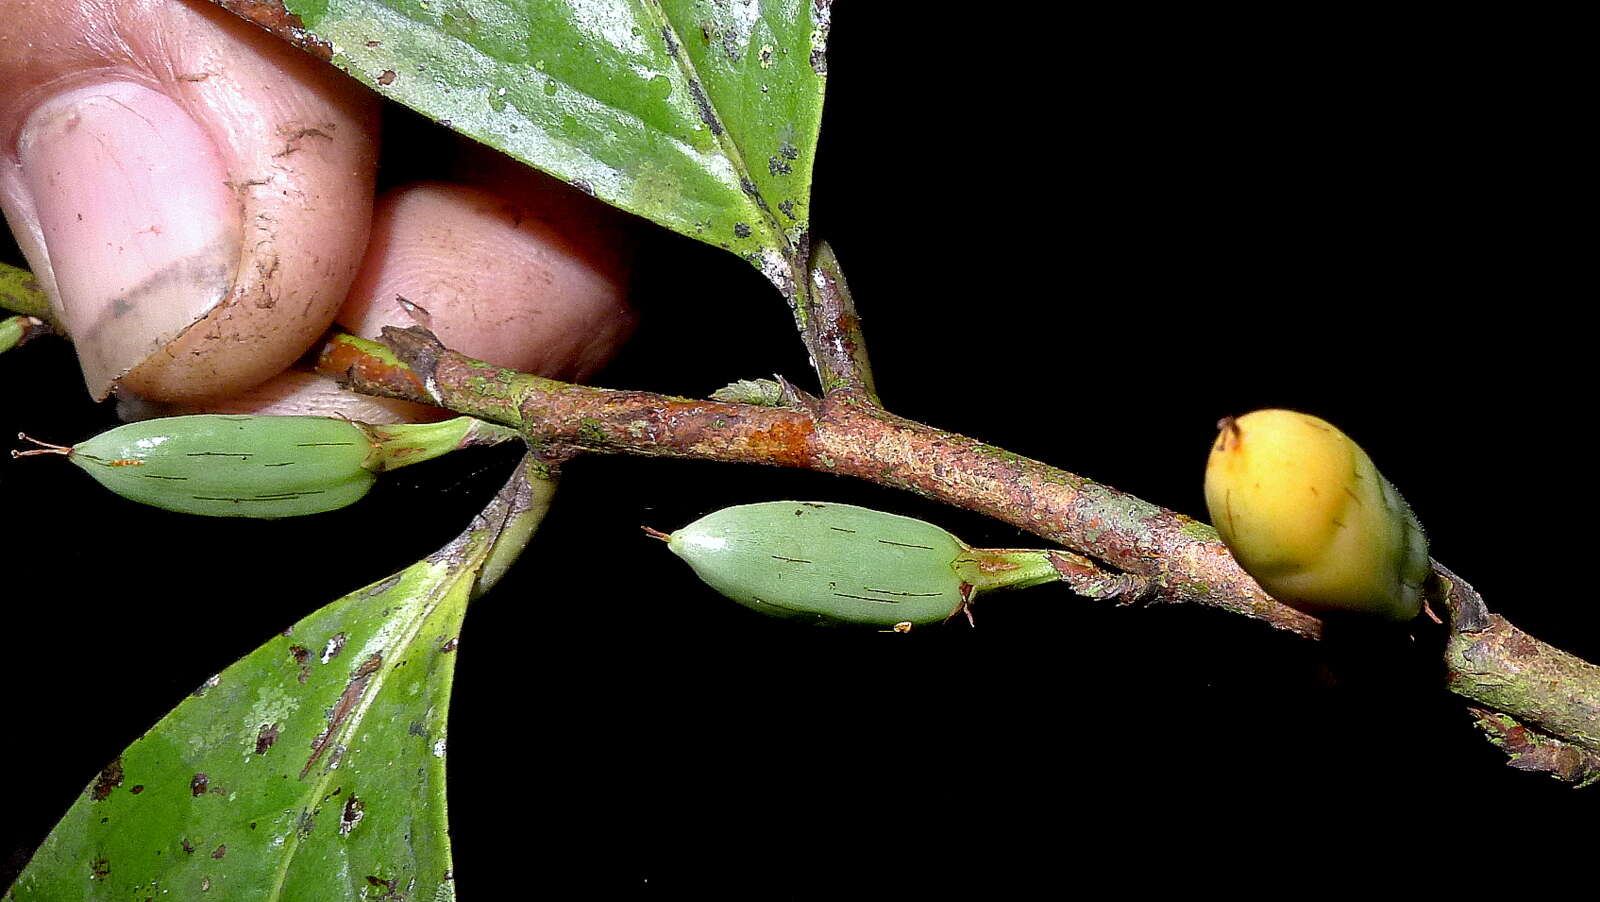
(294, 392)
(537, 284)
(500, 280)
(191, 192)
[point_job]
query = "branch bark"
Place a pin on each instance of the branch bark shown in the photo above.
(1164, 556)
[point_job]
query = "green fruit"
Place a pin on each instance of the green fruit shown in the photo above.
(841, 563)
(232, 466)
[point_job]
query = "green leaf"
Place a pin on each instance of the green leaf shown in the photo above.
(20, 293)
(701, 115)
(313, 769)
(12, 329)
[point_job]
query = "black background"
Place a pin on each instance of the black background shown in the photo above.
(1083, 239)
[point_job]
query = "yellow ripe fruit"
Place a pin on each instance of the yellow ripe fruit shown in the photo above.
(1306, 513)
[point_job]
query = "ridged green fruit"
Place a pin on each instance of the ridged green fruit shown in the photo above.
(1306, 513)
(261, 466)
(233, 466)
(842, 563)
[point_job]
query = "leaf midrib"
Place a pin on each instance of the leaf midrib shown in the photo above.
(321, 782)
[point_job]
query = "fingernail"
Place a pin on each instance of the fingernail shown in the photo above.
(140, 224)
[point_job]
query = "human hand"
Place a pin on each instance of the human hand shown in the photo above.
(196, 197)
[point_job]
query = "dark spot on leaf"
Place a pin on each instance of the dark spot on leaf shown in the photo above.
(387, 78)
(778, 167)
(749, 187)
(583, 185)
(220, 852)
(302, 657)
(137, 789)
(354, 811)
(110, 778)
(100, 869)
(342, 708)
(741, 230)
(379, 588)
(198, 784)
(188, 847)
(707, 114)
(789, 151)
(451, 645)
(672, 46)
(266, 737)
(787, 207)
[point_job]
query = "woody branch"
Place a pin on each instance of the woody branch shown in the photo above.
(1539, 703)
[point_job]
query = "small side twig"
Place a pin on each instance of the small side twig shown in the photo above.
(1545, 703)
(833, 331)
(1535, 752)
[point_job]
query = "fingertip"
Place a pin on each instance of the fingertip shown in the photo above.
(502, 281)
(203, 145)
(140, 233)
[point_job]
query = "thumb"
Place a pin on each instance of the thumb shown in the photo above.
(193, 194)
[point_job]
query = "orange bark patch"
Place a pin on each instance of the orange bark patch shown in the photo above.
(787, 443)
(339, 358)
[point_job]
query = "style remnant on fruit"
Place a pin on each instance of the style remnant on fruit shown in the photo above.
(1306, 513)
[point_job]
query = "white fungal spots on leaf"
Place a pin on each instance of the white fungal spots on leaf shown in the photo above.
(334, 646)
(354, 811)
